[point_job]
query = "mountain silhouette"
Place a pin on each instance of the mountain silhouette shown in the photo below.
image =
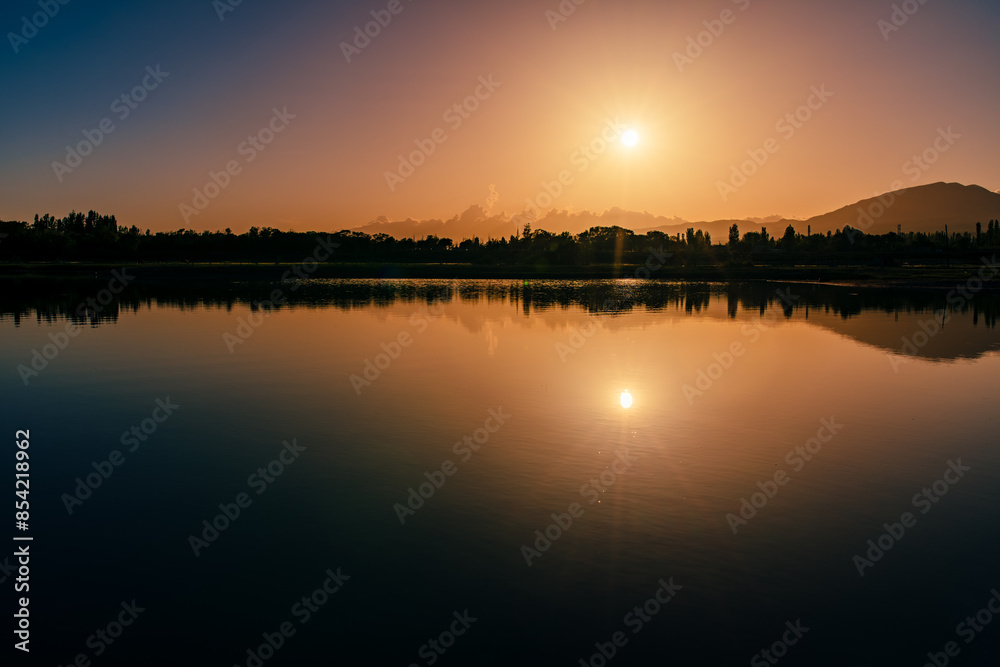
(923, 208)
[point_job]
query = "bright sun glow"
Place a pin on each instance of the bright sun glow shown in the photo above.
(630, 138)
(626, 399)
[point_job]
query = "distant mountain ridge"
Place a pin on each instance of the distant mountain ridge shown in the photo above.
(923, 208)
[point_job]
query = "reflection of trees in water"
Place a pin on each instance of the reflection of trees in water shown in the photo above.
(55, 300)
(989, 315)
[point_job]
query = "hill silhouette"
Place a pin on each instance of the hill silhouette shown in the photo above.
(923, 209)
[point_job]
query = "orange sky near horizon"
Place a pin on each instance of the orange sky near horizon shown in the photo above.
(481, 98)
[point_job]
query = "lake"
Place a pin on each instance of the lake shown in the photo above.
(504, 472)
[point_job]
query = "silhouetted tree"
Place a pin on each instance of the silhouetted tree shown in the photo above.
(788, 240)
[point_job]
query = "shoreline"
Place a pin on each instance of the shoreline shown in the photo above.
(906, 277)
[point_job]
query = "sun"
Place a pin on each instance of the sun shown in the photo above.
(630, 138)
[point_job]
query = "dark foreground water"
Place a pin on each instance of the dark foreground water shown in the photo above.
(499, 473)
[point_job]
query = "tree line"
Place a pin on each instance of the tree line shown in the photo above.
(80, 237)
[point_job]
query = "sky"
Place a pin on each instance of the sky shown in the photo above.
(206, 115)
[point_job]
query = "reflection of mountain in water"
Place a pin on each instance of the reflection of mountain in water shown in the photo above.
(882, 318)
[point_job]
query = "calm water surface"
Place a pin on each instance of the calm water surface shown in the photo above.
(773, 431)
